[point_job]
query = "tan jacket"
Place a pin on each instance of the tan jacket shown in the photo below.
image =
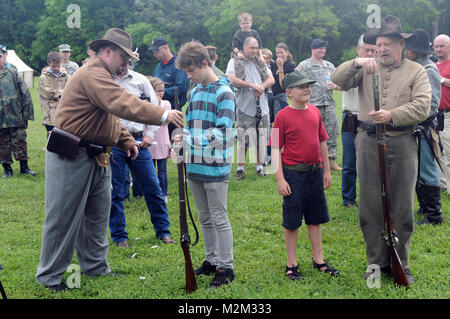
(404, 90)
(92, 102)
(50, 88)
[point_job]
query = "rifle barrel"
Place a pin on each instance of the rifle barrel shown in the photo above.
(398, 271)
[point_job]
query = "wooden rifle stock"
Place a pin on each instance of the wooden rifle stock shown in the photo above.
(185, 241)
(390, 234)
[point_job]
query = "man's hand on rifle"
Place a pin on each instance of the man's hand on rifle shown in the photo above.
(175, 117)
(381, 116)
(133, 152)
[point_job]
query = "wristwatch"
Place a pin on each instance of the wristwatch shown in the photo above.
(442, 80)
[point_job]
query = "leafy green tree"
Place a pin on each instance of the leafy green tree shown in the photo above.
(18, 20)
(96, 17)
(295, 22)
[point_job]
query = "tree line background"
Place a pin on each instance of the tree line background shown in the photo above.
(35, 27)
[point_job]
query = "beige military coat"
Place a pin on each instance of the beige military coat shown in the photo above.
(50, 90)
(404, 90)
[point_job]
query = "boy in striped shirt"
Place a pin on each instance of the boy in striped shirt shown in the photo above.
(208, 141)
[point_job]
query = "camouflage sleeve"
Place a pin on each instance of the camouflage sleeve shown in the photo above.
(27, 102)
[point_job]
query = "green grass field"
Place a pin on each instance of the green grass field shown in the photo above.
(255, 214)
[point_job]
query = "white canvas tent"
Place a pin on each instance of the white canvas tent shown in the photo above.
(25, 72)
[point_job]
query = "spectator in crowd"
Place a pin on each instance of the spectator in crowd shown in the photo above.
(252, 108)
(320, 70)
(245, 30)
(142, 169)
(70, 66)
(161, 142)
(52, 81)
(16, 109)
(166, 70)
(442, 51)
(349, 128)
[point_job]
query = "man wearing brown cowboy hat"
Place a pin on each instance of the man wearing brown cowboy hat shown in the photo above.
(78, 175)
(405, 97)
(428, 189)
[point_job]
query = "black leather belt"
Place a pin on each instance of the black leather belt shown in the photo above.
(137, 135)
(303, 167)
(371, 128)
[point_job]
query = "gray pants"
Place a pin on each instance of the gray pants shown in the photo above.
(330, 121)
(77, 204)
(211, 201)
(401, 158)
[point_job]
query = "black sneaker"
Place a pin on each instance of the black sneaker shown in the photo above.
(206, 269)
(222, 277)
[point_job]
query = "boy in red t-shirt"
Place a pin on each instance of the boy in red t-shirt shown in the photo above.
(300, 159)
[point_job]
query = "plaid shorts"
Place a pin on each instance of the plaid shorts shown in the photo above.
(307, 199)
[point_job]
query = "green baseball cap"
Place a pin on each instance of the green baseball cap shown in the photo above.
(296, 78)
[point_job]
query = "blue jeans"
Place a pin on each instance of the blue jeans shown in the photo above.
(162, 175)
(144, 174)
(348, 187)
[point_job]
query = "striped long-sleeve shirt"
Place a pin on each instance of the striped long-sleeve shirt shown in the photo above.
(209, 133)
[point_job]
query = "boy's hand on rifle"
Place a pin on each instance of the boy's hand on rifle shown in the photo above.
(176, 144)
(175, 117)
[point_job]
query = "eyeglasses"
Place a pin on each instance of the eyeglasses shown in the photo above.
(126, 58)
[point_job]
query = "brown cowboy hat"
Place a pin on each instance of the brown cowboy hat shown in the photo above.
(390, 27)
(118, 37)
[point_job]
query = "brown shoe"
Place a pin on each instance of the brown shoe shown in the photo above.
(167, 240)
(239, 174)
(123, 244)
(334, 166)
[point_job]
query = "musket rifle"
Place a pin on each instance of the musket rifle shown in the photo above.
(185, 240)
(390, 234)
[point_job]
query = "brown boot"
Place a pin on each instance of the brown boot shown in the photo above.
(334, 166)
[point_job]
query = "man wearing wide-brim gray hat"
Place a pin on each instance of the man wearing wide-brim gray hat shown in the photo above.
(78, 174)
(405, 97)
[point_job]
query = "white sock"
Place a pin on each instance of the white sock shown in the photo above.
(240, 168)
(258, 167)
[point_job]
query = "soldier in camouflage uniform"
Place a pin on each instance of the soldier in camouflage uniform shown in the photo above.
(320, 71)
(70, 66)
(16, 109)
